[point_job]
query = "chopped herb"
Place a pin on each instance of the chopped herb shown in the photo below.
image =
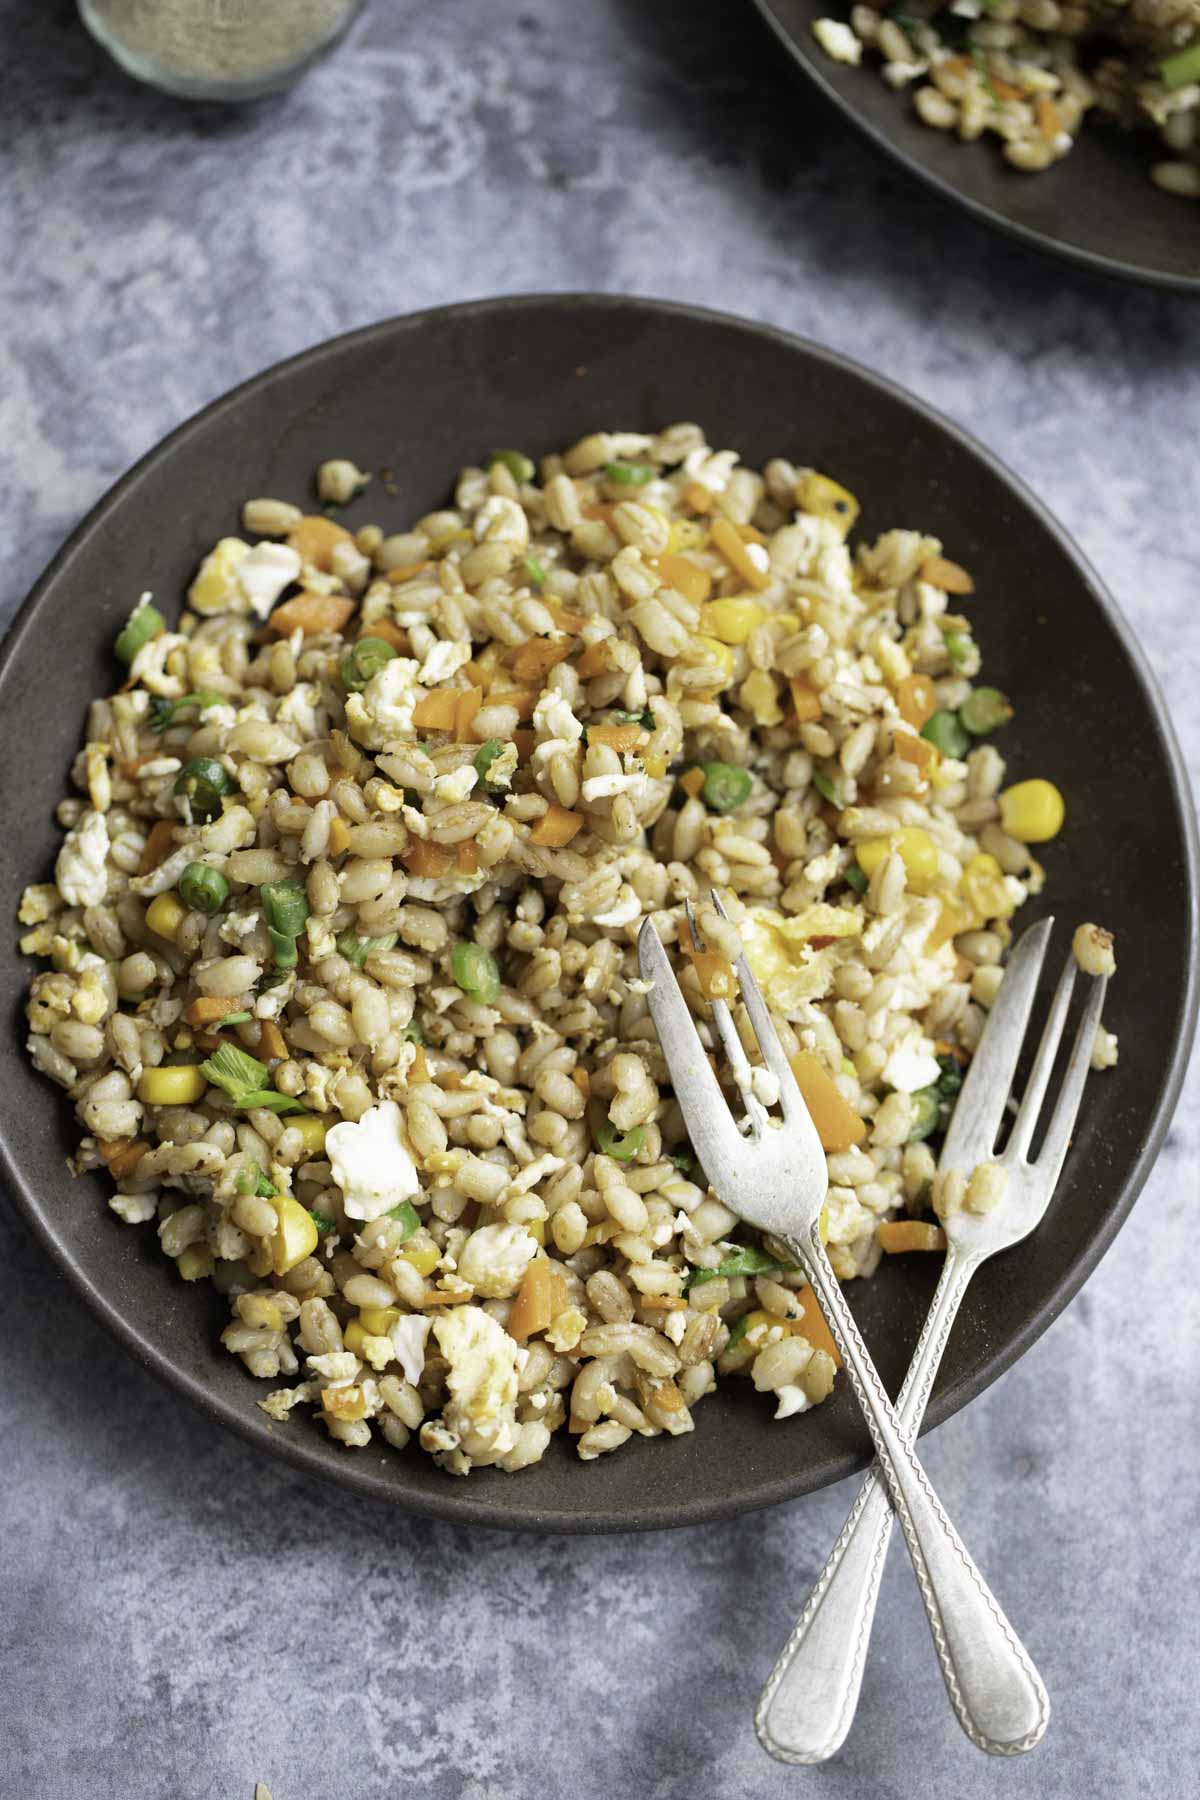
(405, 1214)
(144, 623)
(926, 1113)
(950, 1080)
(825, 787)
(323, 1223)
(162, 710)
(243, 1078)
(412, 1031)
(535, 571)
(745, 1259)
(251, 1180)
(738, 1331)
(856, 878)
(485, 756)
(684, 1161)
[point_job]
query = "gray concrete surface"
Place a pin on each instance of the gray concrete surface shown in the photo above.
(178, 1619)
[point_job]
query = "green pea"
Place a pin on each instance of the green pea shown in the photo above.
(725, 785)
(485, 756)
(203, 783)
(476, 972)
(958, 648)
(623, 474)
(519, 466)
(202, 888)
(363, 660)
(926, 1112)
(144, 622)
(984, 709)
(285, 907)
(944, 731)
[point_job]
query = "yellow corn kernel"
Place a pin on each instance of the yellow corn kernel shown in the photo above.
(727, 539)
(655, 766)
(983, 888)
(260, 1311)
(345, 1403)
(917, 852)
(685, 576)
(953, 918)
(1032, 812)
(165, 914)
(377, 1321)
(423, 1257)
(760, 696)
(296, 1236)
(312, 1129)
(339, 837)
(177, 1084)
(718, 652)
(536, 1229)
(353, 1335)
(731, 620)
(687, 534)
(827, 499)
(260, 1262)
(195, 1262)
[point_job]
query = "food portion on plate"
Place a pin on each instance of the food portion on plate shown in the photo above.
(1029, 71)
(343, 980)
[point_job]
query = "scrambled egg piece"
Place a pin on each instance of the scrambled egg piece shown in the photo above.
(781, 955)
(372, 1162)
(482, 1379)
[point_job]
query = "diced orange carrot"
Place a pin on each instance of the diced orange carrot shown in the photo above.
(159, 839)
(436, 711)
(406, 572)
(478, 674)
(123, 1155)
(530, 1311)
(725, 538)
(525, 742)
(621, 738)
(1006, 91)
(423, 858)
(466, 705)
(805, 699)
(391, 634)
(583, 1081)
(940, 572)
(339, 837)
(522, 698)
(811, 1325)
(1048, 117)
(667, 1396)
(916, 697)
(685, 576)
(271, 1041)
(314, 539)
(312, 614)
(898, 1235)
(838, 1125)
(466, 856)
(532, 661)
(556, 827)
(691, 781)
(594, 661)
(205, 1009)
(698, 497)
(913, 749)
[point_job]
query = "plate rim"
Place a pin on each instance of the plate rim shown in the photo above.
(485, 1506)
(1111, 268)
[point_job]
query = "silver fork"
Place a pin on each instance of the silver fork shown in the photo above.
(808, 1703)
(775, 1177)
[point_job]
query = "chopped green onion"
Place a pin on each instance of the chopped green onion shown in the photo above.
(203, 783)
(623, 474)
(951, 1078)
(944, 731)
(1178, 70)
(535, 571)
(519, 466)
(644, 719)
(485, 756)
(622, 1147)
(683, 1160)
(241, 1018)
(357, 950)
(202, 888)
(283, 948)
(476, 972)
(323, 1223)
(856, 878)
(926, 1113)
(412, 1031)
(725, 785)
(285, 906)
(984, 710)
(162, 710)
(825, 787)
(958, 648)
(242, 1077)
(144, 622)
(406, 1215)
(363, 660)
(738, 1331)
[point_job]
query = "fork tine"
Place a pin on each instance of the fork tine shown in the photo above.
(1058, 1136)
(790, 1101)
(979, 1111)
(1035, 1089)
(731, 1043)
(710, 1124)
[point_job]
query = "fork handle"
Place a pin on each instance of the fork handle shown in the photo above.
(808, 1703)
(996, 1692)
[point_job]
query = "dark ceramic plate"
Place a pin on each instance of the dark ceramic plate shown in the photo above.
(421, 396)
(1098, 207)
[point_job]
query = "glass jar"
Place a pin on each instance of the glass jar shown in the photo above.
(218, 49)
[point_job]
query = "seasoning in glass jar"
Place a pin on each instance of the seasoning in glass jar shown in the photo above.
(218, 49)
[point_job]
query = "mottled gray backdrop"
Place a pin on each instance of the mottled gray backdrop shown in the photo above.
(178, 1619)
